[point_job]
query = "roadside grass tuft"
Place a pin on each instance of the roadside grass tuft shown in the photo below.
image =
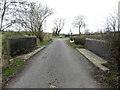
(111, 76)
(74, 45)
(45, 43)
(13, 67)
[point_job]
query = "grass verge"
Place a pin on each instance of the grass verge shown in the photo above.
(45, 43)
(108, 79)
(111, 76)
(13, 67)
(74, 45)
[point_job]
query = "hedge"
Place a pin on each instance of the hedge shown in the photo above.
(78, 40)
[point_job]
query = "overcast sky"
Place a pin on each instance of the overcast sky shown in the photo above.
(95, 12)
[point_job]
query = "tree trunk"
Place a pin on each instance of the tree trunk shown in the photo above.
(2, 16)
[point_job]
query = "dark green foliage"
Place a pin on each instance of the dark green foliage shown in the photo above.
(71, 38)
(111, 76)
(114, 43)
(79, 40)
(40, 35)
(115, 46)
(67, 35)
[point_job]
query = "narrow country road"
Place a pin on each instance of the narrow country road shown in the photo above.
(58, 65)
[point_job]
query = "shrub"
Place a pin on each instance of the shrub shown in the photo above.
(114, 46)
(67, 35)
(47, 36)
(71, 38)
(79, 40)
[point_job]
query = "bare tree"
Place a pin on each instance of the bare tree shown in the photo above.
(3, 11)
(107, 26)
(114, 22)
(32, 16)
(111, 23)
(6, 11)
(58, 25)
(79, 22)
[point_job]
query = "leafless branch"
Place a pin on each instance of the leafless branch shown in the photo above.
(79, 22)
(58, 25)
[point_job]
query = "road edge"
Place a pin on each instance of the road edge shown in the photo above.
(97, 61)
(26, 58)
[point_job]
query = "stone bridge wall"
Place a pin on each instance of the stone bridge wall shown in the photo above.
(99, 47)
(19, 45)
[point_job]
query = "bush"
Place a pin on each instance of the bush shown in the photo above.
(71, 38)
(74, 45)
(112, 77)
(79, 40)
(67, 35)
(47, 36)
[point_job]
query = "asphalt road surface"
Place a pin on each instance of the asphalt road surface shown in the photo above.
(57, 65)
